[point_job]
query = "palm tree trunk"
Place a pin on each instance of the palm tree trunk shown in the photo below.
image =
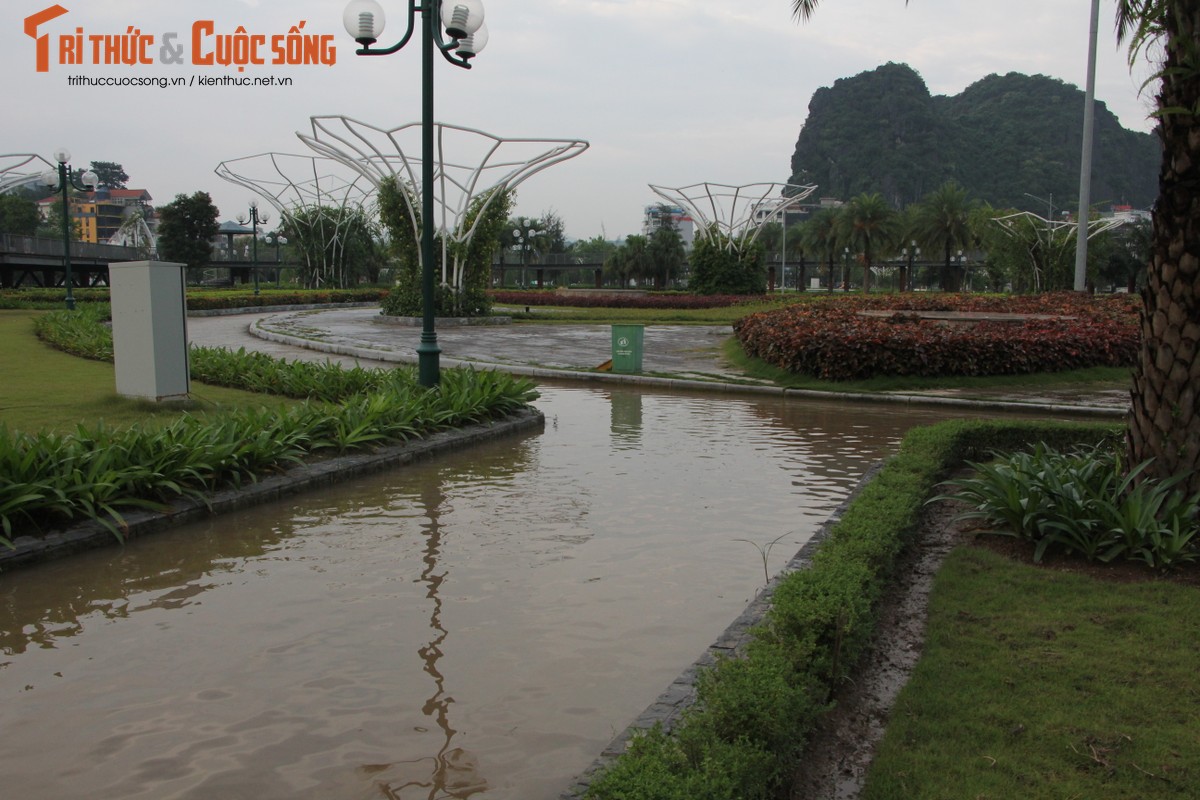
(867, 268)
(1164, 421)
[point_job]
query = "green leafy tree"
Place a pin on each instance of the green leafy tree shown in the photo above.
(464, 268)
(18, 215)
(868, 225)
(554, 231)
(665, 254)
(630, 261)
(1124, 261)
(720, 268)
(595, 249)
(110, 174)
(942, 224)
(186, 227)
(339, 246)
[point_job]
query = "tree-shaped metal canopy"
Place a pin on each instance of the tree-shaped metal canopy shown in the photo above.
(735, 214)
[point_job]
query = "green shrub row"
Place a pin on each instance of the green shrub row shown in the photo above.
(834, 339)
(199, 299)
(38, 298)
(1085, 501)
(218, 299)
(95, 473)
(662, 300)
(754, 712)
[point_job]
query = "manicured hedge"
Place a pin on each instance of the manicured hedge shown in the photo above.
(199, 299)
(830, 339)
(214, 299)
(753, 713)
(664, 300)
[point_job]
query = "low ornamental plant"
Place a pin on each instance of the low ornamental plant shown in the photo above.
(833, 339)
(1085, 502)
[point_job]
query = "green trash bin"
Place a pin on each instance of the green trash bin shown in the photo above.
(627, 348)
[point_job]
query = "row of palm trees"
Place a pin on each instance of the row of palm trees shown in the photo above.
(868, 227)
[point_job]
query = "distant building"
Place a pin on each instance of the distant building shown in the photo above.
(682, 221)
(99, 215)
(1129, 213)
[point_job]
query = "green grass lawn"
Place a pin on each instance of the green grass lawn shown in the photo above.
(1044, 684)
(44, 389)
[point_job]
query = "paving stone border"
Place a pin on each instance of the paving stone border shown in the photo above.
(681, 693)
(327, 472)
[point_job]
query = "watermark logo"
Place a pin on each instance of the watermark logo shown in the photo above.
(203, 45)
(43, 42)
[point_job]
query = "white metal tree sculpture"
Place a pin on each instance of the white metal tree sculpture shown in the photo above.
(470, 164)
(20, 169)
(1048, 241)
(319, 198)
(734, 214)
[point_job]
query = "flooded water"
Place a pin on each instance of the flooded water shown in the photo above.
(477, 625)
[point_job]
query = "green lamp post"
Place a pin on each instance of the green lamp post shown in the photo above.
(63, 180)
(455, 28)
(255, 219)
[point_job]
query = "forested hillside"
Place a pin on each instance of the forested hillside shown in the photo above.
(1003, 136)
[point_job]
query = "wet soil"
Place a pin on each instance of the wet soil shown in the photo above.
(836, 761)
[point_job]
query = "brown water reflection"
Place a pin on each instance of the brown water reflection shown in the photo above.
(479, 625)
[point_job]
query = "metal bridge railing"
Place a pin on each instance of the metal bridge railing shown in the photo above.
(40, 246)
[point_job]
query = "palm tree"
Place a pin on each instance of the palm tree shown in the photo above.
(867, 223)
(942, 222)
(1164, 421)
(819, 236)
(794, 250)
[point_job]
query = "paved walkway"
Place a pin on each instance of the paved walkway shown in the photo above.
(684, 356)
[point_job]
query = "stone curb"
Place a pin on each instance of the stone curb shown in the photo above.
(392, 356)
(681, 693)
(90, 535)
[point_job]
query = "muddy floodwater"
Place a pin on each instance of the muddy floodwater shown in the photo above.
(476, 625)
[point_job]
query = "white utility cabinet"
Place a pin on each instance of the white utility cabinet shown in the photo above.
(149, 326)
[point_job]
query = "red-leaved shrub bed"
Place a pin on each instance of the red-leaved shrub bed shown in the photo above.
(829, 338)
(618, 300)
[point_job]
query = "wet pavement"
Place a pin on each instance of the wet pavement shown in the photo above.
(683, 356)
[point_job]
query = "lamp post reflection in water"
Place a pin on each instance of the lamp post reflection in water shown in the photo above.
(455, 772)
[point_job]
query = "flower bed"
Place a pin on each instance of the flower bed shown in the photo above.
(831, 339)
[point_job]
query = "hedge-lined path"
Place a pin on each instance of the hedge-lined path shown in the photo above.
(687, 356)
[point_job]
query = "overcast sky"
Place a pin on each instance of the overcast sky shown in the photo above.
(667, 92)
